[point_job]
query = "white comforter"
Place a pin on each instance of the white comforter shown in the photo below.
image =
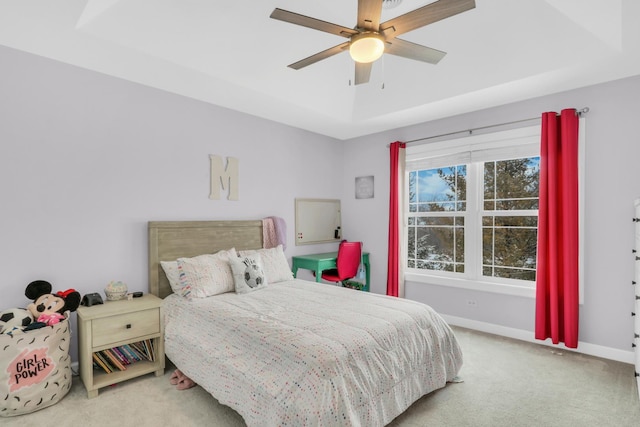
(299, 353)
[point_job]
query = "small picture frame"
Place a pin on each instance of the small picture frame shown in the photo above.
(364, 187)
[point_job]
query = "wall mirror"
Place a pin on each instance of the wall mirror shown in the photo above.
(318, 221)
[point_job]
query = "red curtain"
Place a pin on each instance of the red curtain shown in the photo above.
(393, 264)
(557, 266)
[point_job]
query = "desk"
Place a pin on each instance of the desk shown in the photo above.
(319, 262)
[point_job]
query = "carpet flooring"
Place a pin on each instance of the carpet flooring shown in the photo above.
(506, 382)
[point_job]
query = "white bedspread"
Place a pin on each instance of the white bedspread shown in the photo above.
(299, 353)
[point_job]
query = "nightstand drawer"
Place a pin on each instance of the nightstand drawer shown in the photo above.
(122, 327)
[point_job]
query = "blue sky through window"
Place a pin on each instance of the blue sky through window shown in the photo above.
(432, 187)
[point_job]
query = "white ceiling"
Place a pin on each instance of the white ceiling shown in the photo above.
(230, 53)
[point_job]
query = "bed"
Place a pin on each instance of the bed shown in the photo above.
(295, 352)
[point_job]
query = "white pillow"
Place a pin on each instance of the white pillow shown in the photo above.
(276, 267)
(206, 275)
(173, 275)
(248, 273)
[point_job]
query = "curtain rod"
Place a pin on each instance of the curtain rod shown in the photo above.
(579, 112)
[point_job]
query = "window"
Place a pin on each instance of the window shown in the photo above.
(436, 218)
(510, 218)
(472, 211)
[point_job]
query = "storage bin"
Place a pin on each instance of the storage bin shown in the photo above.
(35, 369)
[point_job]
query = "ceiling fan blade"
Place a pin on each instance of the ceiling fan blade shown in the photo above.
(425, 15)
(316, 24)
(363, 72)
(415, 51)
(319, 56)
(369, 12)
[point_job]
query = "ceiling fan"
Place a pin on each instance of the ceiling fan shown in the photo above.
(369, 39)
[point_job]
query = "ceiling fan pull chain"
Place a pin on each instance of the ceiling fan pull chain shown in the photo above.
(382, 72)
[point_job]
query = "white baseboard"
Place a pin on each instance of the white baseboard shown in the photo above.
(523, 335)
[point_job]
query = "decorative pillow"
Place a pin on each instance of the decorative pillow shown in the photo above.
(248, 273)
(276, 267)
(173, 275)
(206, 275)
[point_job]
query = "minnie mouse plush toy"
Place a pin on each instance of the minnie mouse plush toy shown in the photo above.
(47, 308)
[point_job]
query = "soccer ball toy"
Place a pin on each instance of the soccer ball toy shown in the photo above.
(14, 319)
(253, 274)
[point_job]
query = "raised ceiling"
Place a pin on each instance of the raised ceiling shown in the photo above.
(233, 55)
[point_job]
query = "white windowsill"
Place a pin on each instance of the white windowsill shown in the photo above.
(499, 288)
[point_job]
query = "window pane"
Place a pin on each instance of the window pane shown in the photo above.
(436, 220)
(511, 184)
(412, 187)
(438, 190)
(509, 246)
(437, 207)
(411, 243)
(489, 185)
(509, 273)
(461, 185)
(437, 243)
(459, 248)
(516, 221)
(436, 265)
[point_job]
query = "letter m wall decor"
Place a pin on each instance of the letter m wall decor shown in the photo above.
(227, 178)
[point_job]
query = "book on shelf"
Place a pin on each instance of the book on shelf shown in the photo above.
(118, 358)
(110, 353)
(131, 353)
(100, 363)
(104, 362)
(143, 349)
(148, 345)
(121, 356)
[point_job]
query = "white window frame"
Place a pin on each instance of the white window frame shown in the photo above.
(514, 143)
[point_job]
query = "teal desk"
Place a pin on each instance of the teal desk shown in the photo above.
(319, 262)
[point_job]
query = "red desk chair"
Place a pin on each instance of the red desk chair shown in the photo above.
(347, 262)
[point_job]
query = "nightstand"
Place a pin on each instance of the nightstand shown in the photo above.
(114, 324)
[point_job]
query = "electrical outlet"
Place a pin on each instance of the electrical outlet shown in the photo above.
(472, 303)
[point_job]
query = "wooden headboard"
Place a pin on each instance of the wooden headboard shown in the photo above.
(170, 240)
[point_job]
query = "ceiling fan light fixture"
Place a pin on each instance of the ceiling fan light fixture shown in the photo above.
(366, 47)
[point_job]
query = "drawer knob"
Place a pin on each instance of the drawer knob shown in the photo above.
(128, 326)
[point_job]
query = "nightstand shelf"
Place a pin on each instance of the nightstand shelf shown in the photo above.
(113, 324)
(102, 379)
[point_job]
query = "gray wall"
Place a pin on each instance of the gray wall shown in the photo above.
(86, 160)
(612, 183)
